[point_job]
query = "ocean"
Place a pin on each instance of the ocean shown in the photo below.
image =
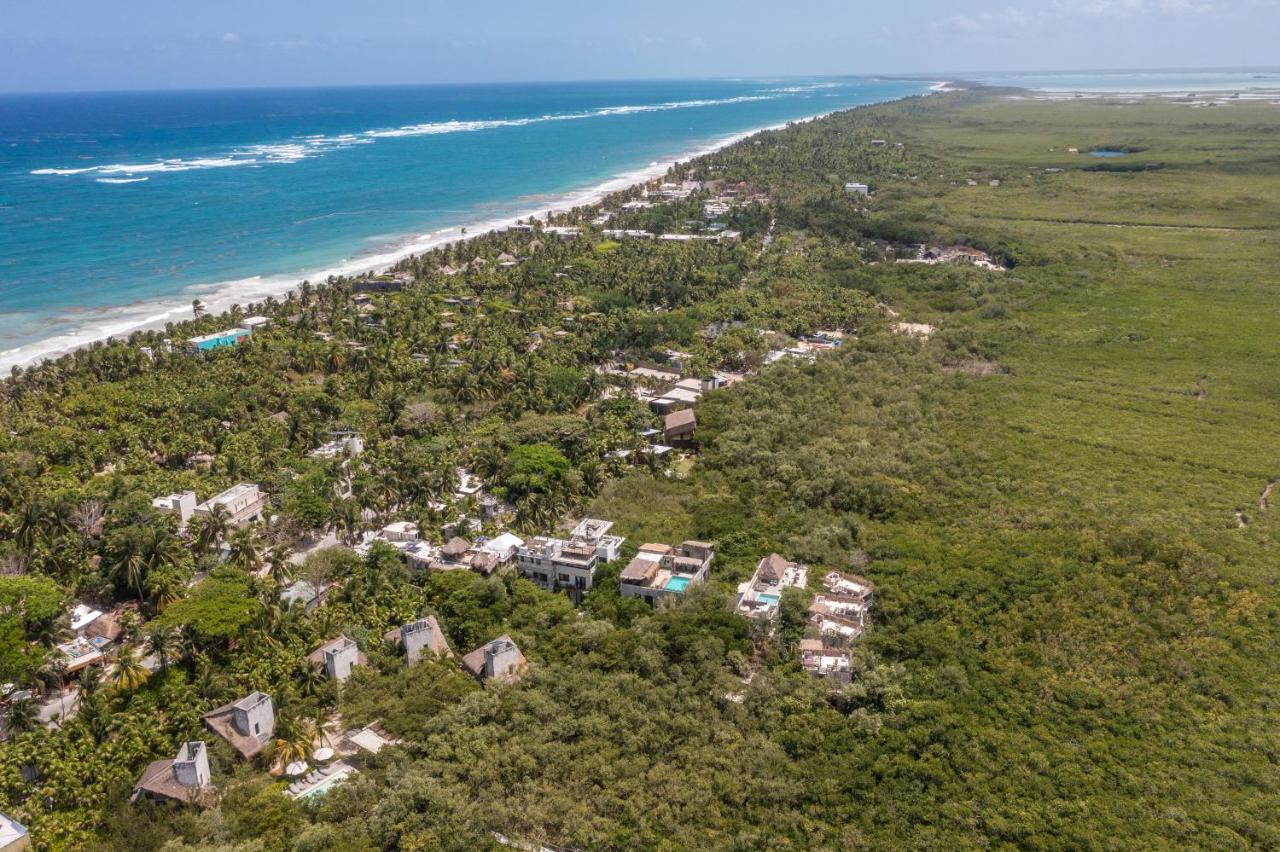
(118, 209)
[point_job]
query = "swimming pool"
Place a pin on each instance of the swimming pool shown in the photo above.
(323, 787)
(677, 584)
(769, 599)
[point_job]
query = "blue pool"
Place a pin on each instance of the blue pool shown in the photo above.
(677, 584)
(769, 599)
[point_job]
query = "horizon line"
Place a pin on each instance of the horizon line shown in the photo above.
(955, 76)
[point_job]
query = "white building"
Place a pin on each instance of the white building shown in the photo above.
(556, 564)
(499, 660)
(659, 570)
(423, 635)
(857, 189)
(247, 725)
(180, 503)
(13, 835)
(504, 546)
(242, 503)
(337, 657)
(758, 598)
(186, 778)
(346, 444)
(595, 532)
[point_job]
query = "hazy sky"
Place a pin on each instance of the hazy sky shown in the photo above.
(50, 45)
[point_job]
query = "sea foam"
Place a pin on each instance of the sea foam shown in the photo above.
(307, 147)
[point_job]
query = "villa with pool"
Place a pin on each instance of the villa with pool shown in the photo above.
(659, 570)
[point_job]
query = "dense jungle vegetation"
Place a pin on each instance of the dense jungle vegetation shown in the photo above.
(1059, 495)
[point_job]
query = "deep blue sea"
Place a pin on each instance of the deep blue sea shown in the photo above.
(116, 210)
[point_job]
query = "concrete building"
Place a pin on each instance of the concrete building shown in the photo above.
(338, 658)
(659, 571)
(180, 503)
(820, 661)
(345, 444)
(758, 598)
(595, 532)
(242, 503)
(247, 724)
(13, 835)
(184, 779)
(556, 565)
(423, 635)
(857, 189)
(498, 660)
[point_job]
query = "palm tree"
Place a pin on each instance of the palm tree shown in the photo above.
(244, 549)
(24, 716)
(281, 567)
(310, 681)
(292, 741)
(346, 516)
(160, 644)
(129, 673)
(211, 527)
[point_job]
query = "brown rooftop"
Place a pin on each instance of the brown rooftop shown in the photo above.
(677, 419)
(772, 567)
(158, 782)
(639, 571)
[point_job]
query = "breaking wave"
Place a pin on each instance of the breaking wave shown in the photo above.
(307, 147)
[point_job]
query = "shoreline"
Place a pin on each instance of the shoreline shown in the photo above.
(117, 321)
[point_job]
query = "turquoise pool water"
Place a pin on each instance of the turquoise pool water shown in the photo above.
(773, 599)
(677, 584)
(325, 785)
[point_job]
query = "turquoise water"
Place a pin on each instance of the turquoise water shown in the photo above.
(116, 210)
(1108, 153)
(677, 584)
(771, 599)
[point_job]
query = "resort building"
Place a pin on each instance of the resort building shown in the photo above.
(499, 660)
(503, 546)
(345, 444)
(13, 835)
(242, 503)
(659, 570)
(678, 427)
(419, 637)
(180, 503)
(758, 597)
(556, 564)
(595, 532)
(80, 653)
(338, 658)
(820, 661)
(185, 779)
(683, 394)
(247, 725)
(839, 613)
(219, 339)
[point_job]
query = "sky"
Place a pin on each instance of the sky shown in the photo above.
(85, 45)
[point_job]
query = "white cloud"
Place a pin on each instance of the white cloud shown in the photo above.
(231, 38)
